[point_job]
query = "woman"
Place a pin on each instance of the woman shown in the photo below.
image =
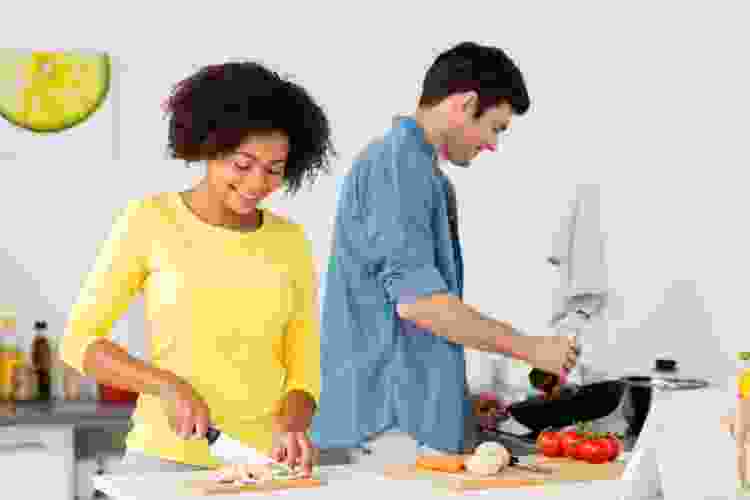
(229, 288)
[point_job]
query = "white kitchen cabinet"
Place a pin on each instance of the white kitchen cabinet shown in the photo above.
(86, 469)
(37, 461)
(89, 467)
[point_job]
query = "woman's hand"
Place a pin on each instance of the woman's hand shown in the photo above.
(738, 425)
(296, 451)
(741, 431)
(187, 412)
(291, 442)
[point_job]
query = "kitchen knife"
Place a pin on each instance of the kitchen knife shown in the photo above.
(516, 462)
(233, 451)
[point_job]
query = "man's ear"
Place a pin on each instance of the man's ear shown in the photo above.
(461, 107)
(470, 101)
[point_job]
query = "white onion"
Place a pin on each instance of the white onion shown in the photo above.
(484, 465)
(489, 448)
(494, 453)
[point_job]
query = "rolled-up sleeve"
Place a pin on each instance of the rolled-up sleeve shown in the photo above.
(117, 276)
(302, 337)
(401, 197)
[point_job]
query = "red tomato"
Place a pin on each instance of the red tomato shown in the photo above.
(582, 451)
(568, 442)
(549, 443)
(591, 451)
(614, 447)
(598, 451)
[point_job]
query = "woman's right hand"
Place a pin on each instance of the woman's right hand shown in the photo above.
(187, 412)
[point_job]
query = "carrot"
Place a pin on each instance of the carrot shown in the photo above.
(442, 463)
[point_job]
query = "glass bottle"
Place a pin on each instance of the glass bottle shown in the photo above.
(9, 354)
(41, 355)
(743, 394)
(26, 383)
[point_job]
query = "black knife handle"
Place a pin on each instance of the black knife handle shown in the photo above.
(212, 434)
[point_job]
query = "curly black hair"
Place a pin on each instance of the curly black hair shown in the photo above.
(213, 111)
(486, 70)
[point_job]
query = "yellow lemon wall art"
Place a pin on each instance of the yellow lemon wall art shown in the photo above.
(51, 91)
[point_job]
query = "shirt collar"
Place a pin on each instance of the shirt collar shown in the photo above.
(409, 123)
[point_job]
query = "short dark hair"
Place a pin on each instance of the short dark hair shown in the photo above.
(472, 67)
(217, 108)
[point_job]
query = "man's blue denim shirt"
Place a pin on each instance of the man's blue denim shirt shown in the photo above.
(392, 242)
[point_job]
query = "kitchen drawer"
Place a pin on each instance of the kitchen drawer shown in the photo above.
(87, 468)
(28, 452)
(21, 435)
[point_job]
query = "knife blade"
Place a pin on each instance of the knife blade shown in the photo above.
(232, 451)
(515, 462)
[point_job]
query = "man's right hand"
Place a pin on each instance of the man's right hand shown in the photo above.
(551, 354)
(187, 412)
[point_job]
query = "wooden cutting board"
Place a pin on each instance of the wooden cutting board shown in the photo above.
(210, 487)
(561, 470)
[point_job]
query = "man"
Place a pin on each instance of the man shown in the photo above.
(393, 326)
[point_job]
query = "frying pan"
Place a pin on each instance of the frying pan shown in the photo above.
(576, 403)
(584, 403)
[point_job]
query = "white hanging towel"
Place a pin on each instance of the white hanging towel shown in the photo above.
(579, 254)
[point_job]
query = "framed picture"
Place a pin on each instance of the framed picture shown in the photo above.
(59, 104)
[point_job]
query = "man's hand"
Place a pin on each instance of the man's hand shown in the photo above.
(291, 442)
(551, 354)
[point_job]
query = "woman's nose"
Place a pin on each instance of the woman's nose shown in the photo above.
(254, 181)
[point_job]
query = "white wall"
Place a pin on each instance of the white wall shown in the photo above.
(647, 99)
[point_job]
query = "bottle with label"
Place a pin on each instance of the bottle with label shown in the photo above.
(743, 394)
(41, 359)
(25, 383)
(743, 375)
(9, 353)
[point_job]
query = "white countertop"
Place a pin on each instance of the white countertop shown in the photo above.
(344, 482)
(682, 448)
